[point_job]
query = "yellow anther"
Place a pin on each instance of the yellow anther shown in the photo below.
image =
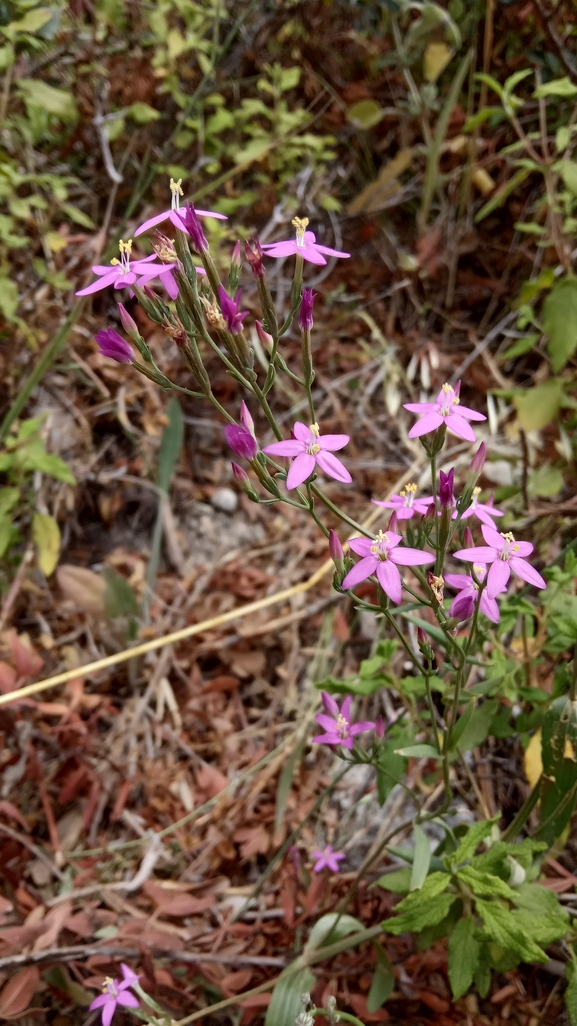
(176, 187)
(447, 388)
(411, 488)
(125, 247)
(508, 537)
(342, 725)
(114, 261)
(476, 491)
(300, 223)
(107, 983)
(313, 449)
(315, 430)
(478, 570)
(516, 548)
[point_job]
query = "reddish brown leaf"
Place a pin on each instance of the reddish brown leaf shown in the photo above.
(223, 683)
(8, 678)
(27, 663)
(210, 780)
(233, 983)
(358, 1003)
(14, 938)
(10, 811)
(433, 1001)
(53, 924)
(256, 1001)
(176, 903)
(19, 991)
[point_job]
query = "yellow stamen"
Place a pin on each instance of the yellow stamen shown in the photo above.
(176, 187)
(125, 247)
(411, 488)
(508, 537)
(301, 224)
(107, 983)
(476, 491)
(313, 449)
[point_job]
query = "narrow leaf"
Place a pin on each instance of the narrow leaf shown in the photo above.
(464, 951)
(422, 859)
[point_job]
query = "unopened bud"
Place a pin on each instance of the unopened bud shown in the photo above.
(128, 322)
(265, 339)
(241, 442)
(246, 419)
(424, 645)
(462, 607)
(379, 728)
(253, 253)
(468, 538)
(235, 258)
(243, 480)
(306, 311)
(336, 551)
(393, 523)
(446, 489)
(478, 461)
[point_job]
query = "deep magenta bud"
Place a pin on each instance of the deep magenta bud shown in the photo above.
(231, 310)
(446, 492)
(393, 524)
(478, 461)
(306, 313)
(421, 637)
(112, 345)
(253, 253)
(240, 475)
(246, 419)
(462, 607)
(193, 227)
(128, 322)
(335, 547)
(241, 442)
(265, 339)
(379, 728)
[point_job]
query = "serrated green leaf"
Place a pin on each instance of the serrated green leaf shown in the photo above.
(464, 951)
(421, 860)
(471, 841)
(428, 913)
(485, 885)
(500, 926)
(31, 22)
(46, 534)
(483, 973)
(434, 885)
(544, 928)
(560, 322)
(383, 981)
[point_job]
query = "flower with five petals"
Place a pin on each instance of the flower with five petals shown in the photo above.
(504, 554)
(115, 993)
(172, 215)
(311, 449)
(327, 859)
(381, 556)
(305, 243)
(446, 410)
(337, 723)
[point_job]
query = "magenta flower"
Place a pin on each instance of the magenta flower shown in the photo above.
(464, 603)
(112, 345)
(246, 419)
(230, 310)
(115, 993)
(124, 272)
(327, 859)
(338, 726)
(253, 252)
(504, 554)
(241, 442)
(443, 412)
(446, 489)
(172, 214)
(306, 311)
(484, 511)
(380, 556)
(305, 244)
(311, 449)
(406, 504)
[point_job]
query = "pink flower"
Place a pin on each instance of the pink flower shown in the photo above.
(483, 511)
(124, 272)
(115, 993)
(311, 449)
(327, 859)
(464, 604)
(112, 345)
(405, 503)
(338, 726)
(504, 554)
(172, 214)
(241, 441)
(305, 244)
(380, 557)
(442, 412)
(231, 310)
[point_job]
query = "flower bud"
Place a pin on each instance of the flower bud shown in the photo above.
(128, 322)
(468, 539)
(241, 442)
(336, 551)
(478, 461)
(306, 312)
(379, 728)
(393, 524)
(193, 227)
(446, 491)
(246, 419)
(243, 480)
(462, 607)
(235, 258)
(253, 253)
(112, 345)
(265, 339)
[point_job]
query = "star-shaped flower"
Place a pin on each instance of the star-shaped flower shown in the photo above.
(112, 345)
(484, 511)
(504, 554)
(444, 411)
(406, 503)
(327, 859)
(125, 272)
(115, 993)
(380, 556)
(172, 214)
(339, 728)
(305, 243)
(311, 449)
(464, 603)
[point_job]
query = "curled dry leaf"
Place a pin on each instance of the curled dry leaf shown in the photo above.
(25, 659)
(18, 992)
(83, 587)
(8, 678)
(10, 811)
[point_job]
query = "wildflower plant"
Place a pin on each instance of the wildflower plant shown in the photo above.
(423, 544)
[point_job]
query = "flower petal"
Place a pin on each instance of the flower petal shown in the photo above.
(359, 728)
(522, 549)
(326, 739)
(330, 703)
(289, 448)
(311, 254)
(99, 1002)
(333, 442)
(481, 514)
(390, 580)
(492, 536)
(280, 249)
(395, 502)
(498, 577)
(478, 554)
(128, 999)
(430, 422)
(460, 427)
(459, 581)
(330, 252)
(332, 466)
(471, 414)
(411, 557)
(108, 1012)
(346, 708)
(362, 546)
(363, 569)
(489, 607)
(153, 221)
(328, 722)
(406, 512)
(303, 433)
(526, 572)
(301, 468)
(420, 407)
(97, 286)
(169, 283)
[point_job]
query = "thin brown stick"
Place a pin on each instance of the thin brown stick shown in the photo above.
(81, 951)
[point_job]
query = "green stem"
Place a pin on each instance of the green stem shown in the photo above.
(339, 512)
(312, 511)
(523, 814)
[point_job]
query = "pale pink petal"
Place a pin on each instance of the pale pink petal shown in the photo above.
(303, 433)
(130, 976)
(393, 539)
(124, 280)
(330, 704)
(363, 569)
(522, 548)
(420, 407)
(108, 1012)
(471, 414)
(128, 999)
(430, 422)
(498, 577)
(301, 468)
(332, 466)
(327, 739)
(280, 249)
(526, 572)
(405, 512)
(104, 269)
(333, 442)
(393, 503)
(492, 537)
(97, 286)
(346, 708)
(310, 253)
(212, 213)
(478, 554)
(460, 427)
(411, 557)
(153, 221)
(347, 742)
(489, 607)
(99, 1002)
(390, 580)
(289, 448)
(468, 513)
(359, 728)
(481, 514)
(169, 284)
(458, 581)
(328, 722)
(330, 252)
(362, 546)
(309, 238)
(490, 509)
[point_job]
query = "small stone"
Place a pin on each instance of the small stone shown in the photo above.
(225, 500)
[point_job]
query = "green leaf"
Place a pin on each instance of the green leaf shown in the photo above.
(558, 87)
(568, 172)
(483, 973)
(5, 534)
(571, 990)
(8, 499)
(461, 724)
(422, 858)
(60, 978)
(119, 597)
(290, 78)
(464, 951)
(170, 445)
(485, 885)
(48, 464)
(286, 1001)
(143, 113)
(502, 194)
(471, 841)
(8, 298)
(383, 981)
(434, 632)
(545, 483)
(562, 137)
(520, 347)
(428, 913)
(31, 22)
(529, 227)
(477, 729)
(433, 886)
(560, 323)
(365, 114)
(78, 216)
(285, 784)
(500, 926)
(329, 929)
(390, 770)
(398, 882)
(418, 752)
(59, 102)
(46, 534)
(539, 406)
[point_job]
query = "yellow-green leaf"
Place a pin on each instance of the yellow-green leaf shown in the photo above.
(56, 101)
(143, 113)
(31, 22)
(538, 406)
(560, 322)
(46, 534)
(435, 60)
(365, 113)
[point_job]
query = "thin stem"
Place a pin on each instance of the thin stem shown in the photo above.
(311, 508)
(339, 512)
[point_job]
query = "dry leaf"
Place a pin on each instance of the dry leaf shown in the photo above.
(53, 924)
(8, 678)
(19, 991)
(27, 663)
(210, 780)
(378, 193)
(83, 587)
(11, 812)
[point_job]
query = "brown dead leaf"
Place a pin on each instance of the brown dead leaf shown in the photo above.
(358, 1003)
(19, 991)
(83, 587)
(233, 983)
(377, 194)
(53, 924)
(173, 903)
(223, 683)
(252, 840)
(8, 678)
(27, 663)
(210, 780)
(248, 664)
(10, 811)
